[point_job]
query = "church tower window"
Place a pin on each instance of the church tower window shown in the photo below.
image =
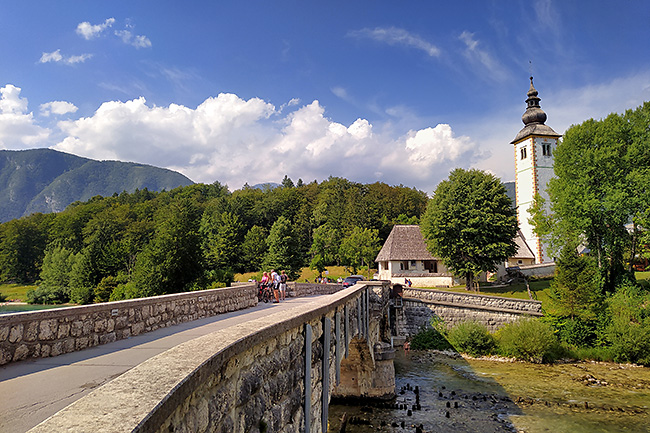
(523, 153)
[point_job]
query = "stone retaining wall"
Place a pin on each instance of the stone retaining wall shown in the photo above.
(296, 289)
(459, 298)
(247, 378)
(40, 334)
(420, 305)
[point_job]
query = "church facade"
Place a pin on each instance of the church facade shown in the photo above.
(534, 147)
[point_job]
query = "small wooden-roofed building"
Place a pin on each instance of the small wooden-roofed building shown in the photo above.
(524, 255)
(405, 256)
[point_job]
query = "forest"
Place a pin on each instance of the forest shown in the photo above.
(195, 237)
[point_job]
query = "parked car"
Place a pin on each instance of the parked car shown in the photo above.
(352, 280)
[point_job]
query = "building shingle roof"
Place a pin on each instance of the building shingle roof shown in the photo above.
(523, 250)
(405, 242)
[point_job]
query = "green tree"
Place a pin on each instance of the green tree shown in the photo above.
(470, 223)
(173, 259)
(575, 289)
(254, 248)
(324, 248)
(359, 248)
(221, 238)
(602, 172)
(55, 276)
(22, 247)
(282, 249)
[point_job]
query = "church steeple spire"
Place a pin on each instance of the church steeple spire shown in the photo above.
(534, 118)
(534, 113)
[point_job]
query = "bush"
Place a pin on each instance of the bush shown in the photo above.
(629, 329)
(107, 285)
(47, 295)
(431, 338)
(81, 295)
(125, 291)
(471, 338)
(575, 332)
(529, 340)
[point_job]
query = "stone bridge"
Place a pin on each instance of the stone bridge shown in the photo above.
(276, 373)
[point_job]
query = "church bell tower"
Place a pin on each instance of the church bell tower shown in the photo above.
(534, 147)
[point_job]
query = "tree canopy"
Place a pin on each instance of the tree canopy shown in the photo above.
(470, 223)
(145, 243)
(600, 196)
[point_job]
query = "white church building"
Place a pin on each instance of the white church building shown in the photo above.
(534, 147)
(404, 254)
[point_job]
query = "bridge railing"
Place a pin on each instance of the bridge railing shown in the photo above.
(273, 372)
(41, 334)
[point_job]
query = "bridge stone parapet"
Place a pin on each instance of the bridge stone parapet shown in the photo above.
(276, 373)
(296, 289)
(41, 334)
(420, 305)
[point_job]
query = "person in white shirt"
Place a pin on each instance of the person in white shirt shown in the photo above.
(276, 285)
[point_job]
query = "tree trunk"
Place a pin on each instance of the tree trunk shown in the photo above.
(469, 278)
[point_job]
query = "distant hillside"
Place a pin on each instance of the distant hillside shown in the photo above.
(510, 190)
(44, 180)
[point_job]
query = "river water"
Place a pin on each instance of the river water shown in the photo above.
(468, 395)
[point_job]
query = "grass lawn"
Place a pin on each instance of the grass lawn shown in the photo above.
(19, 308)
(539, 288)
(16, 292)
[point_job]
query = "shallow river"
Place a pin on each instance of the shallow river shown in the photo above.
(459, 395)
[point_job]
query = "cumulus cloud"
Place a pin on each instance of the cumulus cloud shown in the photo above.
(89, 31)
(57, 57)
(235, 141)
(17, 126)
(397, 36)
(57, 107)
(479, 56)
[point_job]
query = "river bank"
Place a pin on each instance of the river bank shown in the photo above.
(485, 395)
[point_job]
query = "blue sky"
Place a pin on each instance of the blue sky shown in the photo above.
(248, 91)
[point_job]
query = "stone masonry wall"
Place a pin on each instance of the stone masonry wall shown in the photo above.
(483, 301)
(41, 334)
(420, 305)
(247, 378)
(308, 289)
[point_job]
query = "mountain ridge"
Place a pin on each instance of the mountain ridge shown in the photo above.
(46, 180)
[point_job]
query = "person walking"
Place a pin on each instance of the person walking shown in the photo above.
(275, 279)
(283, 286)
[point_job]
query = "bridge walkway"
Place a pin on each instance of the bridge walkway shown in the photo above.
(33, 390)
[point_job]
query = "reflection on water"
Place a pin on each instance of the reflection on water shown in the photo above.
(458, 395)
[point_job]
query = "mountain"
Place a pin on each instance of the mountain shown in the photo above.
(45, 180)
(511, 192)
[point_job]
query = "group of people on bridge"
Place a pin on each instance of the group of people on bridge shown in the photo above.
(275, 283)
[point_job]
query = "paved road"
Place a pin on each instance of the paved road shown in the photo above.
(33, 390)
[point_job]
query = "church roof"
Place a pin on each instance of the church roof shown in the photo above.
(405, 242)
(534, 118)
(523, 250)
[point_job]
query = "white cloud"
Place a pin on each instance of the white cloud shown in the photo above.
(476, 55)
(89, 31)
(57, 57)
(397, 36)
(57, 107)
(138, 41)
(17, 127)
(236, 141)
